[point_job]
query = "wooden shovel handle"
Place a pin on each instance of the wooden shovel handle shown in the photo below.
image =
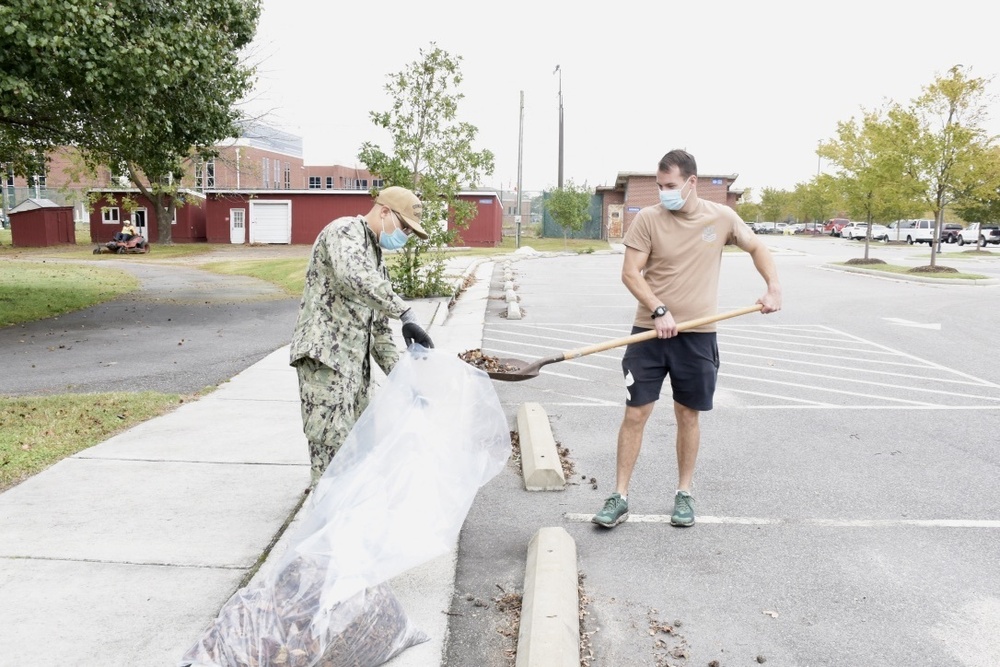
(647, 335)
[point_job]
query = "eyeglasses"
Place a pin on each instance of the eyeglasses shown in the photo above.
(402, 223)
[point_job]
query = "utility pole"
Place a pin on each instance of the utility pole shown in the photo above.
(520, 197)
(559, 70)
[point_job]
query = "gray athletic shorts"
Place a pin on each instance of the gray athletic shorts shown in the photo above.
(690, 359)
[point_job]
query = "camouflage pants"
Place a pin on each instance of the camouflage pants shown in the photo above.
(331, 403)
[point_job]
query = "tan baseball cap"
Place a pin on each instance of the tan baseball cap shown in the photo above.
(404, 203)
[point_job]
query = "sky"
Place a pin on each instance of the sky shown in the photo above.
(748, 88)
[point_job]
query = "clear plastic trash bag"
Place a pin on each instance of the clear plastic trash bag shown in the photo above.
(395, 496)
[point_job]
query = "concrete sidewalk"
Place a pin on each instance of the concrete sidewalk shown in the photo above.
(123, 553)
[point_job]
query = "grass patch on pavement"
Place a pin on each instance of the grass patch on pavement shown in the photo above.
(950, 274)
(289, 274)
(555, 244)
(38, 431)
(35, 290)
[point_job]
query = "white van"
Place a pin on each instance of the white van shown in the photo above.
(913, 231)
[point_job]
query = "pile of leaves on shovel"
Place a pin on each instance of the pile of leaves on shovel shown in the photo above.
(485, 362)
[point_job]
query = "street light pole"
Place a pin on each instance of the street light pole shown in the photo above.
(520, 196)
(559, 70)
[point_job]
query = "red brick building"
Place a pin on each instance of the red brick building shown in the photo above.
(262, 158)
(633, 191)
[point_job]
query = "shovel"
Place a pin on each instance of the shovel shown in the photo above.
(521, 370)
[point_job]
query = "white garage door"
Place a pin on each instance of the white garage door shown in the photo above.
(271, 222)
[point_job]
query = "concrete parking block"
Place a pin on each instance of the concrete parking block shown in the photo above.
(540, 465)
(549, 634)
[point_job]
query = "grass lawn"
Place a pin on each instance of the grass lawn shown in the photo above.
(289, 274)
(35, 290)
(539, 244)
(908, 271)
(36, 432)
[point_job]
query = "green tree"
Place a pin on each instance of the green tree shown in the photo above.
(139, 86)
(775, 205)
(569, 207)
(943, 145)
(870, 175)
(980, 200)
(432, 153)
(815, 200)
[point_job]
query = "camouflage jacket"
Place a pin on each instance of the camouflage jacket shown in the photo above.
(347, 301)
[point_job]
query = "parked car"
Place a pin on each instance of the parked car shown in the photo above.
(834, 225)
(858, 230)
(762, 227)
(950, 232)
(980, 233)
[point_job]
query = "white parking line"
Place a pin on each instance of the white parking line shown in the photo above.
(827, 523)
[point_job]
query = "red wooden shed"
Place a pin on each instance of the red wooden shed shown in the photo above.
(485, 230)
(41, 222)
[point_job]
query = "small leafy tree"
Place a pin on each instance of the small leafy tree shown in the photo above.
(870, 175)
(943, 145)
(569, 207)
(432, 153)
(775, 205)
(980, 199)
(816, 199)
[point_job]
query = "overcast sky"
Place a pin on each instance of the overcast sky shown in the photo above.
(749, 88)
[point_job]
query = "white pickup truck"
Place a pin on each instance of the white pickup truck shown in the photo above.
(980, 233)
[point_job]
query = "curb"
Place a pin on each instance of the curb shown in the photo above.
(549, 634)
(540, 465)
(911, 278)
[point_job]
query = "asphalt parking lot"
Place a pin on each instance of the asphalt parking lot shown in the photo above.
(848, 511)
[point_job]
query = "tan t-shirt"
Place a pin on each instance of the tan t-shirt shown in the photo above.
(685, 252)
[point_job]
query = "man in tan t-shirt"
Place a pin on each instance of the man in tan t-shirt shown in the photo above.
(673, 254)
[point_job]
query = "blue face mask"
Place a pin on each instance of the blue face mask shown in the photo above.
(672, 200)
(393, 241)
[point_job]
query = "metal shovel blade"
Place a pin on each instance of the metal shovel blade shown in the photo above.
(515, 370)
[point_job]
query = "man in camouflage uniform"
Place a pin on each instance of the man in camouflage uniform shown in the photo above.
(344, 316)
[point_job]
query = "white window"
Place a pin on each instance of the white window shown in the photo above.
(314, 183)
(288, 176)
(277, 174)
(267, 173)
(109, 215)
(360, 183)
(329, 182)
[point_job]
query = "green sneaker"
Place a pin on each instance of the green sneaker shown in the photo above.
(614, 512)
(683, 510)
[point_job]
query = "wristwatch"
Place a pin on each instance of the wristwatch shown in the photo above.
(659, 312)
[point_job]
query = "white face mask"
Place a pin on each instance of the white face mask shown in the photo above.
(673, 200)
